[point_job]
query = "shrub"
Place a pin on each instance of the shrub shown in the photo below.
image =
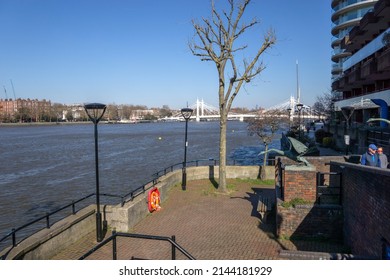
(327, 141)
(320, 134)
(294, 202)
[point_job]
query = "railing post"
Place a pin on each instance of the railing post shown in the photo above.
(47, 220)
(114, 249)
(13, 237)
(173, 248)
(73, 207)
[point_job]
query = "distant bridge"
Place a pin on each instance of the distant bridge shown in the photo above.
(204, 111)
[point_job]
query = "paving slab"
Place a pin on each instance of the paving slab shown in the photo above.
(208, 224)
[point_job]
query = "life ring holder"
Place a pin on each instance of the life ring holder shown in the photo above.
(154, 200)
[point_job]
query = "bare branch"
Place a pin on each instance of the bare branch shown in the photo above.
(245, 27)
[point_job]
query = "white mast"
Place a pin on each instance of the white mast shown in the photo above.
(298, 90)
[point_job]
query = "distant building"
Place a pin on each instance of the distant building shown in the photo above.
(24, 109)
(74, 112)
(364, 79)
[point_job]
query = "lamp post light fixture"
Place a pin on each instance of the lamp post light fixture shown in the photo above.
(347, 113)
(186, 113)
(299, 108)
(95, 112)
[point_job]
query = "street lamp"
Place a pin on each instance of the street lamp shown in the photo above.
(186, 113)
(299, 108)
(95, 112)
(347, 113)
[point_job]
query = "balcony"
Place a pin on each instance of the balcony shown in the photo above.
(368, 68)
(354, 76)
(369, 18)
(384, 61)
(382, 7)
(342, 82)
(335, 85)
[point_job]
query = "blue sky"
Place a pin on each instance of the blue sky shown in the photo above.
(136, 52)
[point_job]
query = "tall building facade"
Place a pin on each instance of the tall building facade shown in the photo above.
(346, 15)
(362, 80)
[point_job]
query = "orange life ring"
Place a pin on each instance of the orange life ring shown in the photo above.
(154, 200)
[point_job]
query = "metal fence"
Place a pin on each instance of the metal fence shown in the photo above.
(47, 217)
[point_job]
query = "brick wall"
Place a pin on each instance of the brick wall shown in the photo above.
(366, 204)
(307, 221)
(364, 217)
(300, 182)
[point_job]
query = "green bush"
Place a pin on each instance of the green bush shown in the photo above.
(294, 202)
(320, 134)
(327, 141)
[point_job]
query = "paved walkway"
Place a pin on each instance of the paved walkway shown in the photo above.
(209, 225)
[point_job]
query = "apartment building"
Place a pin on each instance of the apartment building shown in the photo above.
(24, 109)
(363, 81)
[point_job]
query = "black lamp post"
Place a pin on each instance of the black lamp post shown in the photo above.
(95, 112)
(186, 113)
(299, 108)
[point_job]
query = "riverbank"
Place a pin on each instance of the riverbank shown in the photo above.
(40, 123)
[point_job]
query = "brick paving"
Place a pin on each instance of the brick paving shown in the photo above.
(207, 224)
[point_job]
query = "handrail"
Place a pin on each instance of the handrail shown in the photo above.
(114, 235)
(46, 216)
(320, 186)
(133, 194)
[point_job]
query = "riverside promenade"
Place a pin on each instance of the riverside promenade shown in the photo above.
(208, 225)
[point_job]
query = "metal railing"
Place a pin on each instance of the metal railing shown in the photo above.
(279, 189)
(115, 234)
(123, 198)
(331, 192)
(46, 217)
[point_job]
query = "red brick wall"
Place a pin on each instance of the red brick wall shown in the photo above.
(301, 181)
(307, 221)
(366, 204)
(364, 217)
(299, 184)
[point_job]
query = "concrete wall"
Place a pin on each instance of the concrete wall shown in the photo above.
(46, 243)
(124, 218)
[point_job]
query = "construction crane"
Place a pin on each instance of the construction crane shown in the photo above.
(5, 91)
(13, 90)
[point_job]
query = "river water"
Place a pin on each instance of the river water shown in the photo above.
(45, 167)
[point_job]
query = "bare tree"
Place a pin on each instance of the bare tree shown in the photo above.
(265, 127)
(324, 104)
(216, 43)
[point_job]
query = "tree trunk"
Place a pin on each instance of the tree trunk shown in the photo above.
(222, 152)
(262, 173)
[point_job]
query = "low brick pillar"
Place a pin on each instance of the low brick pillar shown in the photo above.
(299, 182)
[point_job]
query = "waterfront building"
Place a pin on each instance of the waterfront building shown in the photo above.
(362, 54)
(24, 109)
(346, 15)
